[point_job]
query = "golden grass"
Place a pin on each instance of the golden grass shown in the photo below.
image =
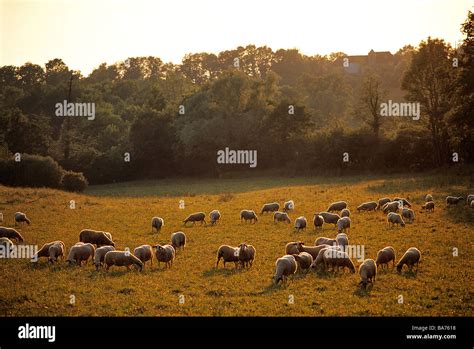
(443, 285)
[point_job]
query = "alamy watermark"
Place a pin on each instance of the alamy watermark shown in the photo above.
(75, 109)
(228, 156)
(390, 108)
(19, 251)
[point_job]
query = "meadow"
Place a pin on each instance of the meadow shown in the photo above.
(193, 287)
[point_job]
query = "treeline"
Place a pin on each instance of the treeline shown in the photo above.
(303, 114)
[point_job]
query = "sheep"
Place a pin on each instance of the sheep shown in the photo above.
(196, 217)
(367, 272)
(157, 223)
(345, 213)
(292, 247)
(408, 214)
(80, 252)
(330, 218)
(335, 258)
(411, 257)
(99, 255)
(122, 259)
(403, 201)
(392, 206)
(469, 199)
(385, 255)
(472, 204)
(246, 255)
(284, 267)
(144, 253)
(281, 217)
(21, 217)
(343, 224)
(319, 260)
(382, 202)
(312, 250)
(166, 254)
(228, 254)
(95, 237)
(367, 206)
(325, 241)
(300, 223)
(428, 198)
(178, 240)
(248, 215)
(214, 216)
(394, 218)
(270, 207)
(289, 205)
(52, 250)
(304, 260)
(337, 206)
(453, 200)
(429, 206)
(11, 234)
(6, 246)
(318, 221)
(342, 240)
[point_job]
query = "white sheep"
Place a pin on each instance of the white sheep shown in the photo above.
(284, 267)
(367, 272)
(408, 214)
(330, 218)
(343, 224)
(21, 217)
(289, 205)
(367, 206)
(382, 202)
(386, 255)
(429, 206)
(428, 198)
(300, 223)
(453, 200)
(345, 213)
(337, 206)
(157, 223)
(318, 221)
(394, 218)
(411, 257)
(214, 216)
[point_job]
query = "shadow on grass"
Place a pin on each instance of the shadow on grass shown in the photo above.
(222, 271)
(363, 292)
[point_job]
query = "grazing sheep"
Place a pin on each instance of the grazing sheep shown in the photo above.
(429, 198)
(367, 206)
(21, 217)
(394, 218)
(404, 201)
(411, 257)
(271, 207)
(228, 254)
(6, 246)
(408, 214)
(248, 215)
(325, 241)
(345, 213)
(319, 260)
(144, 253)
(281, 217)
(214, 216)
(469, 199)
(343, 224)
(166, 254)
(284, 267)
(342, 240)
(11, 234)
(99, 255)
(289, 205)
(246, 255)
(52, 250)
(318, 221)
(95, 237)
(178, 240)
(330, 218)
(312, 250)
(429, 206)
(453, 200)
(122, 259)
(196, 217)
(157, 223)
(292, 247)
(386, 255)
(367, 272)
(392, 206)
(337, 206)
(382, 202)
(304, 260)
(334, 258)
(300, 223)
(80, 252)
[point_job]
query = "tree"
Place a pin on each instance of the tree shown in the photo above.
(369, 104)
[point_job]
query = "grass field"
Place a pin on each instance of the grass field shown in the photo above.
(442, 286)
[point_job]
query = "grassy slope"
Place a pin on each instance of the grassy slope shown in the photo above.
(442, 286)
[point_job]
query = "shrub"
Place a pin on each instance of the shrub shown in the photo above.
(73, 181)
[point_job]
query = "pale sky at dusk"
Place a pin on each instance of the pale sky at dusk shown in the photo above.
(86, 33)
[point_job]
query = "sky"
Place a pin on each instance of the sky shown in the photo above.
(85, 33)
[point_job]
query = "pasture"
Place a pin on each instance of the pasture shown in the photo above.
(193, 287)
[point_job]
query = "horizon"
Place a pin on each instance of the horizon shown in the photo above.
(105, 39)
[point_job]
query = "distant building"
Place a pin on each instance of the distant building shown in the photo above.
(353, 64)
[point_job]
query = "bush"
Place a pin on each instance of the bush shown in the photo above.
(74, 181)
(31, 171)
